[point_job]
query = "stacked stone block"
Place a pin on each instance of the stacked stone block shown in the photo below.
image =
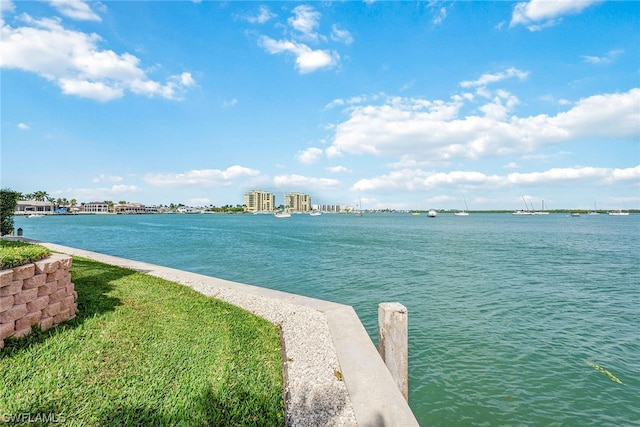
(39, 293)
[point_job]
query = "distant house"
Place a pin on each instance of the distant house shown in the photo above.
(96, 208)
(28, 207)
(129, 208)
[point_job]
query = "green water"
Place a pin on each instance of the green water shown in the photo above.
(507, 314)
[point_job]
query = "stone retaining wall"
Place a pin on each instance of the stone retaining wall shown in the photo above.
(39, 293)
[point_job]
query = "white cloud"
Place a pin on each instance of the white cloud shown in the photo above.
(338, 169)
(420, 180)
(202, 177)
(75, 9)
(487, 79)
(309, 156)
(230, 103)
(23, 126)
(615, 115)
(121, 188)
(73, 60)
(199, 201)
(628, 174)
(304, 183)
(340, 35)
(307, 59)
(264, 15)
(6, 6)
(606, 59)
(437, 131)
(107, 178)
(439, 12)
(113, 193)
(98, 91)
(339, 102)
(537, 14)
(305, 21)
(300, 32)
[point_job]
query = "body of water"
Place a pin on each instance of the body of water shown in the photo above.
(513, 321)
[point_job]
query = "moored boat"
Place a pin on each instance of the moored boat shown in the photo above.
(464, 212)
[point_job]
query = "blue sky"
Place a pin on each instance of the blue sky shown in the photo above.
(408, 105)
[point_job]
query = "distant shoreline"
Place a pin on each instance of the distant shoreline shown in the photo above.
(381, 211)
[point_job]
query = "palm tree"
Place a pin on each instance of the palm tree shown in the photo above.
(40, 196)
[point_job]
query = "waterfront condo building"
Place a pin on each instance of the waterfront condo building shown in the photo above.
(298, 202)
(259, 201)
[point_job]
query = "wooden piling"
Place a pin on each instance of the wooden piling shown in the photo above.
(393, 342)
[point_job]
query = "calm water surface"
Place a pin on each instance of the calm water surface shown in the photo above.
(506, 313)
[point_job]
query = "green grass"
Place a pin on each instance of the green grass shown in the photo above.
(15, 253)
(145, 351)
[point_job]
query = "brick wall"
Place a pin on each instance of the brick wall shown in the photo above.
(39, 293)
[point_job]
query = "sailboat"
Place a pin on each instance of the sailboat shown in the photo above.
(542, 212)
(523, 212)
(284, 213)
(464, 212)
(359, 211)
(594, 211)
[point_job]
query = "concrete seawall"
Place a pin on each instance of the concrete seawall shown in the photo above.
(333, 372)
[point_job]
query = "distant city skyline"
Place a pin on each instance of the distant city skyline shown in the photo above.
(392, 105)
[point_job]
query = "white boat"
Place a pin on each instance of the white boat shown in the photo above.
(594, 211)
(524, 212)
(282, 214)
(521, 212)
(359, 211)
(464, 212)
(542, 212)
(574, 214)
(285, 212)
(315, 213)
(34, 216)
(618, 213)
(432, 213)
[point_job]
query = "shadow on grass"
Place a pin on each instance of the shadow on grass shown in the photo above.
(238, 408)
(93, 283)
(210, 409)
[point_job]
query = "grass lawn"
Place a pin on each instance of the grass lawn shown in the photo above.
(145, 351)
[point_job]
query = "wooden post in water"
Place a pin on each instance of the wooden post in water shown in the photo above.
(393, 342)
